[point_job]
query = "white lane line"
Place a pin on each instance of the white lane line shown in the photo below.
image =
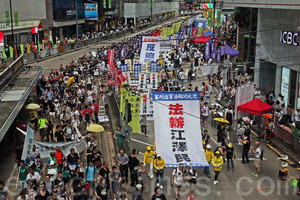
(213, 140)
(141, 153)
(251, 159)
(141, 142)
(143, 134)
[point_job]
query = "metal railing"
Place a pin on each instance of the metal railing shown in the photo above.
(62, 48)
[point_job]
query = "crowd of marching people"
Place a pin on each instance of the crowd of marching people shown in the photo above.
(68, 99)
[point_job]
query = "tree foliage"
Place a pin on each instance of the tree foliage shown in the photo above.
(242, 17)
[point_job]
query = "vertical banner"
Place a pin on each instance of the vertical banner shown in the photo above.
(1, 39)
(27, 149)
(150, 49)
(124, 94)
(135, 102)
(153, 67)
(207, 50)
(218, 18)
(243, 95)
(143, 107)
(213, 44)
(209, 18)
(127, 76)
(111, 64)
(16, 18)
(177, 121)
(147, 66)
(109, 3)
(129, 64)
(104, 3)
(11, 51)
(123, 68)
(7, 21)
(153, 81)
(141, 85)
(194, 32)
(22, 49)
(137, 69)
(218, 55)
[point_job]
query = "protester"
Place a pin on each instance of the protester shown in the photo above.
(148, 161)
(158, 195)
(123, 160)
(217, 162)
(257, 153)
(230, 155)
(177, 179)
(209, 155)
(159, 165)
(116, 180)
(90, 176)
(190, 175)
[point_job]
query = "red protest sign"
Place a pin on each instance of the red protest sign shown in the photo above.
(111, 64)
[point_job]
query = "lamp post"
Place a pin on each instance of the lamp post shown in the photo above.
(76, 7)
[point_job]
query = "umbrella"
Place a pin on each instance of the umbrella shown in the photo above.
(221, 120)
(95, 128)
(70, 80)
(32, 106)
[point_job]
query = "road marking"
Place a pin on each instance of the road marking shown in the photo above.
(278, 153)
(141, 153)
(251, 159)
(141, 142)
(143, 134)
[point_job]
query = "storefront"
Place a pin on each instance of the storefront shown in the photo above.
(277, 61)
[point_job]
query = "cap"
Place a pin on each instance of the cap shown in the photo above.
(138, 186)
(159, 155)
(188, 165)
(148, 148)
(230, 145)
(217, 153)
(208, 146)
(284, 164)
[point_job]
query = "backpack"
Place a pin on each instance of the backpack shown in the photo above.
(261, 154)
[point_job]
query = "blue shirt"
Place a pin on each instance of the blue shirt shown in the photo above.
(90, 175)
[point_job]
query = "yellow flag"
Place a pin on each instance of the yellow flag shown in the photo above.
(124, 94)
(28, 47)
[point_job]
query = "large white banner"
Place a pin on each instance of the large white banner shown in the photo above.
(177, 128)
(150, 49)
(243, 95)
(28, 143)
(146, 107)
(209, 69)
(45, 148)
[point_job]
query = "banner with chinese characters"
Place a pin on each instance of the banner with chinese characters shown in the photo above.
(177, 125)
(137, 69)
(27, 149)
(150, 49)
(124, 94)
(153, 81)
(146, 107)
(142, 84)
(153, 67)
(129, 64)
(135, 102)
(45, 148)
(123, 68)
(111, 63)
(128, 78)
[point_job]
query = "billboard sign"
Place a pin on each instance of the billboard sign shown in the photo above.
(91, 11)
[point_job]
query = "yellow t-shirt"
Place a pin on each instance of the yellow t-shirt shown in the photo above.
(148, 157)
(209, 155)
(159, 163)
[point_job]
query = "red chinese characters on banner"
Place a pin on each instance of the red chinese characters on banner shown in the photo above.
(194, 32)
(119, 78)
(176, 124)
(111, 63)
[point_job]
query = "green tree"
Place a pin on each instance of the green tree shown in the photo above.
(242, 17)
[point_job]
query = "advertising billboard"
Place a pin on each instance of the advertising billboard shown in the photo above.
(91, 11)
(285, 82)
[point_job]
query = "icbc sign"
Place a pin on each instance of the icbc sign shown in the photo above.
(288, 37)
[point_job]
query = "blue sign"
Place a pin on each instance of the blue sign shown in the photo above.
(123, 68)
(137, 68)
(91, 11)
(153, 67)
(175, 96)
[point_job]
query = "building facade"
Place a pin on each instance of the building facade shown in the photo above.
(26, 14)
(277, 61)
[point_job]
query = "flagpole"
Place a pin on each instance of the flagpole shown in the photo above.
(12, 26)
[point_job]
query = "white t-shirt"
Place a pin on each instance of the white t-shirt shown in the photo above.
(35, 176)
(178, 176)
(297, 118)
(205, 109)
(257, 155)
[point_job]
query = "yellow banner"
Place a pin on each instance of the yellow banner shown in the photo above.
(135, 102)
(147, 65)
(129, 66)
(124, 94)
(28, 47)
